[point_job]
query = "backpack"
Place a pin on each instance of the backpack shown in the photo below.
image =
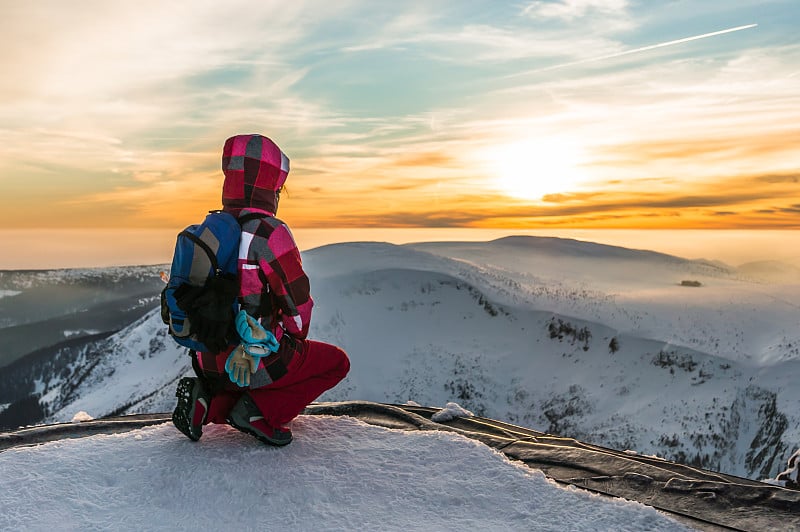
(199, 303)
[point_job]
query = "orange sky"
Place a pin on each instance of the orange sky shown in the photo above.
(518, 115)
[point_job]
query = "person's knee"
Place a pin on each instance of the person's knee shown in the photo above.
(330, 359)
(343, 366)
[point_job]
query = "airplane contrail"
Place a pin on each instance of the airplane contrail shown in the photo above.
(637, 50)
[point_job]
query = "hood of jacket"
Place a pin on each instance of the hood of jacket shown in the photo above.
(255, 169)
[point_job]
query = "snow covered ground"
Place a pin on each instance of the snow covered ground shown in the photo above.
(595, 342)
(338, 474)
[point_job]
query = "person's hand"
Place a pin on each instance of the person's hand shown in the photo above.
(239, 366)
(253, 334)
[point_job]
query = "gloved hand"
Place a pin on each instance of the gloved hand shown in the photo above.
(239, 366)
(256, 339)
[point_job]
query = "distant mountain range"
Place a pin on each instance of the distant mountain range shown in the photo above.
(595, 342)
(42, 308)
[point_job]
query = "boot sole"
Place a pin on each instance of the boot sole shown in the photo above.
(182, 415)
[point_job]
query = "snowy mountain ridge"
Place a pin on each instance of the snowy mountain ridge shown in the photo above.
(608, 348)
(24, 279)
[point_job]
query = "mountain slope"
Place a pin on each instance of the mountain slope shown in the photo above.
(565, 356)
(641, 292)
(40, 309)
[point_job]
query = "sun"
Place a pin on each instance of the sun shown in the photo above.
(532, 169)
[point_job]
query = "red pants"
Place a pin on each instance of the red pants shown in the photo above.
(315, 368)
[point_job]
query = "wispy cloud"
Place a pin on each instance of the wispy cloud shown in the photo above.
(572, 9)
(638, 50)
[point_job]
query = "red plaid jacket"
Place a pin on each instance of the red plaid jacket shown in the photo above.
(273, 283)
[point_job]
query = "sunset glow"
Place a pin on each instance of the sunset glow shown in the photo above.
(532, 169)
(603, 114)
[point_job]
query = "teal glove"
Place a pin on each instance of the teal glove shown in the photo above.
(257, 341)
(240, 365)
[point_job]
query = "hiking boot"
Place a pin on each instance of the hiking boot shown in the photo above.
(192, 407)
(246, 416)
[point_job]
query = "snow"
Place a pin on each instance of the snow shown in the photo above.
(338, 474)
(81, 332)
(791, 473)
(695, 373)
(9, 293)
(25, 279)
(451, 411)
(81, 416)
(790, 476)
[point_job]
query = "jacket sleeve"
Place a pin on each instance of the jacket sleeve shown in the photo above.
(273, 269)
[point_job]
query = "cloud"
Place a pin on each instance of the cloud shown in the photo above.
(569, 10)
(423, 159)
(736, 146)
(779, 178)
(170, 201)
(132, 68)
(105, 48)
(449, 35)
(485, 44)
(727, 203)
(641, 49)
